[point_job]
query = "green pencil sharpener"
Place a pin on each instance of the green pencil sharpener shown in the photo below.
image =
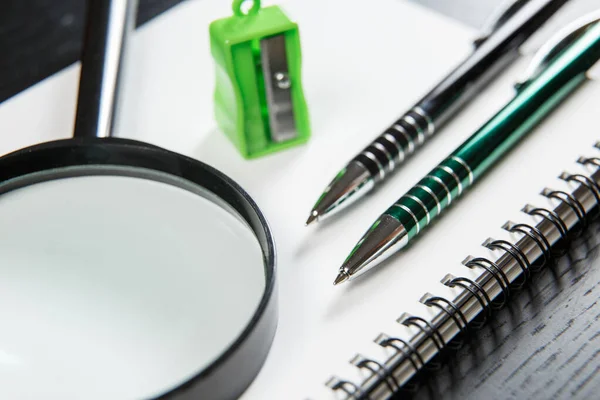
(259, 102)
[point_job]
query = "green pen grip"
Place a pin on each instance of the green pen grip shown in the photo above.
(534, 100)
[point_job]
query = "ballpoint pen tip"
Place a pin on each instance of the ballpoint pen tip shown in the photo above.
(341, 278)
(312, 217)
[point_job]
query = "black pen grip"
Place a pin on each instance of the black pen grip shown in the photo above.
(396, 143)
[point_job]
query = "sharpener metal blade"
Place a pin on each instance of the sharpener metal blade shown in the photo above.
(278, 89)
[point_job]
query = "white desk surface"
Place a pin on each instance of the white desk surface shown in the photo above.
(362, 66)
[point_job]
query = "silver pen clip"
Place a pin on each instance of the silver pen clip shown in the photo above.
(555, 45)
(499, 18)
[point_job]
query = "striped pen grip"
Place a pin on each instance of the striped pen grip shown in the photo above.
(396, 143)
(436, 191)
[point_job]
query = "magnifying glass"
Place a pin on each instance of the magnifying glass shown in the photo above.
(127, 271)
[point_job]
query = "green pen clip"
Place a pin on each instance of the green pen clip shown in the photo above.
(259, 102)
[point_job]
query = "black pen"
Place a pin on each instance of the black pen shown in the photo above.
(493, 52)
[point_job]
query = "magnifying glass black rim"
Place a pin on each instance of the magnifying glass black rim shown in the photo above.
(231, 373)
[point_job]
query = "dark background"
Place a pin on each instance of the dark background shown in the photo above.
(41, 37)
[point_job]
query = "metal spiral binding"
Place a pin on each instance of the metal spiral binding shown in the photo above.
(494, 272)
(397, 142)
(535, 235)
(538, 245)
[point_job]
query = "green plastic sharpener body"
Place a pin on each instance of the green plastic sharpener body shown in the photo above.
(258, 100)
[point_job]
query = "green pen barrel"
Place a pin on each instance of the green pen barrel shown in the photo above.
(534, 100)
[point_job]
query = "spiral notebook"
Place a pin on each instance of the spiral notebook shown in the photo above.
(535, 245)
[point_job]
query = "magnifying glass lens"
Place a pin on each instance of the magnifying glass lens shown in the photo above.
(117, 286)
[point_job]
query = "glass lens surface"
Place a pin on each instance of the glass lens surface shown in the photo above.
(118, 287)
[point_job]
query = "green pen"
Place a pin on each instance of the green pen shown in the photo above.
(558, 69)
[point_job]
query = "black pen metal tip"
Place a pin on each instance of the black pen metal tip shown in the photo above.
(350, 184)
(341, 278)
(312, 217)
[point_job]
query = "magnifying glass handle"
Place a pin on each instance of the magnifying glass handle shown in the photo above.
(107, 27)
